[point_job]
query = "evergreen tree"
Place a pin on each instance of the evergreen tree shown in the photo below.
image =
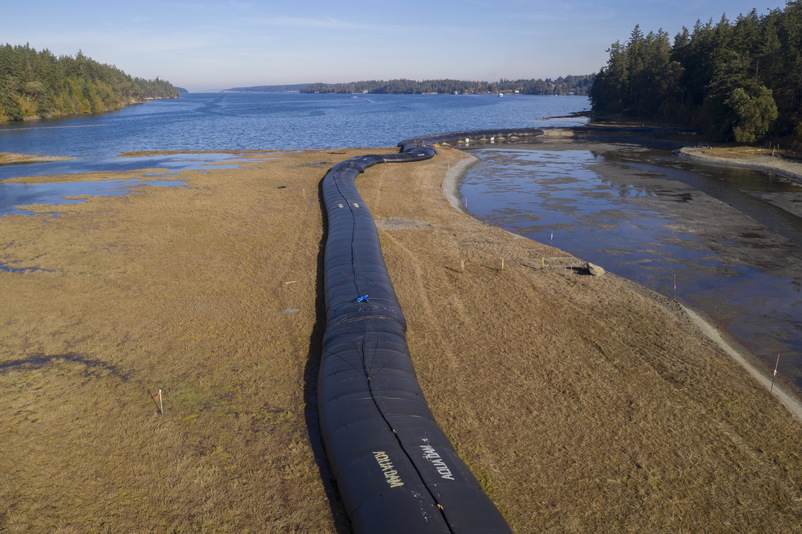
(740, 79)
(38, 84)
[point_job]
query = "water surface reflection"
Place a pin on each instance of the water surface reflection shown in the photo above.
(15, 197)
(731, 238)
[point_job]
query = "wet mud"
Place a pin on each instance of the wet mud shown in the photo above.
(727, 241)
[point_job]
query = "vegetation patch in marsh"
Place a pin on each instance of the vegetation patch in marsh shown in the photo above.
(9, 158)
(182, 291)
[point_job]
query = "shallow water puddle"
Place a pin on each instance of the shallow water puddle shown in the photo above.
(15, 196)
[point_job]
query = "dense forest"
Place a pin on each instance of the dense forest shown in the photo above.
(569, 85)
(39, 84)
(740, 80)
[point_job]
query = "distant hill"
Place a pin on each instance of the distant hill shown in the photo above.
(268, 88)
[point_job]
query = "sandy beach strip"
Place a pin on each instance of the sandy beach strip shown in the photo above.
(9, 158)
(762, 160)
(583, 404)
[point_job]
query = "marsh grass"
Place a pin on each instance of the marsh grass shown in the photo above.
(581, 403)
(10, 158)
(182, 290)
(746, 152)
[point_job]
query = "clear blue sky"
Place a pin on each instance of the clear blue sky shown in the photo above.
(206, 45)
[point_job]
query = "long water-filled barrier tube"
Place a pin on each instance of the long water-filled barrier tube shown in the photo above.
(396, 470)
(515, 135)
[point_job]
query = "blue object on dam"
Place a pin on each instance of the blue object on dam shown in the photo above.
(396, 470)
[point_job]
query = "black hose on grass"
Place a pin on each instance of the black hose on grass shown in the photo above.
(396, 470)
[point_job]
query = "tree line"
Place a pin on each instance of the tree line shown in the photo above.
(39, 84)
(568, 85)
(740, 80)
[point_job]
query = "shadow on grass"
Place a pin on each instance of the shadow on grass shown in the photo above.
(341, 522)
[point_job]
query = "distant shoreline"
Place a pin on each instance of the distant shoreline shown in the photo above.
(741, 156)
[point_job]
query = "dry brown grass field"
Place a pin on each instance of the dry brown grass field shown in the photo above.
(583, 404)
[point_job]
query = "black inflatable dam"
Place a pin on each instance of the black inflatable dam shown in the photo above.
(396, 470)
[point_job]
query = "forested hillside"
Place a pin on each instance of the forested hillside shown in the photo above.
(39, 84)
(577, 85)
(741, 79)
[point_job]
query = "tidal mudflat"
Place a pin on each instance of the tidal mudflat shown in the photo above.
(723, 239)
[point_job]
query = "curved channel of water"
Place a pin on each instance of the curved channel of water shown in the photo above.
(725, 241)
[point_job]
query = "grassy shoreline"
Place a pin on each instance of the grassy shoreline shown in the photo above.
(581, 403)
(761, 159)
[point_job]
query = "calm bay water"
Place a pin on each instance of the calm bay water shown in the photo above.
(648, 219)
(265, 121)
(250, 121)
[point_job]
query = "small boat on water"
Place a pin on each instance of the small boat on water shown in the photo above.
(501, 95)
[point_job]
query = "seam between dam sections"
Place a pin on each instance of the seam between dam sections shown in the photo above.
(366, 368)
(345, 202)
(472, 508)
(366, 371)
(399, 440)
